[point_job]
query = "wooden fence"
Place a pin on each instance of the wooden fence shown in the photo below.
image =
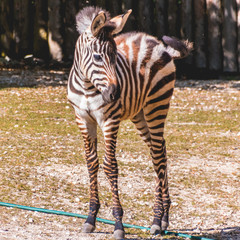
(46, 28)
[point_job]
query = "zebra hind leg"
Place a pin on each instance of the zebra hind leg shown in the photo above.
(161, 207)
(162, 199)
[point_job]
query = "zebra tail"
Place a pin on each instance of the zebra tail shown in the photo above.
(177, 48)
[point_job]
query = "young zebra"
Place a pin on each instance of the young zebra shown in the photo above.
(130, 76)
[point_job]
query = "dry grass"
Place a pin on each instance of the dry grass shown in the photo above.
(42, 163)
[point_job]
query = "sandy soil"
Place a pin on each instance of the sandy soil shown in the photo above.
(221, 223)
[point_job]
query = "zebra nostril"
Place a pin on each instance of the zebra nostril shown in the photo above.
(112, 96)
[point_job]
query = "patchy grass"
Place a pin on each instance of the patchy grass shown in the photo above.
(42, 162)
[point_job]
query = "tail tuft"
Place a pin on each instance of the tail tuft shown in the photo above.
(177, 48)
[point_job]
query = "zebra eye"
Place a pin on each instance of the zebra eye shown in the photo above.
(97, 57)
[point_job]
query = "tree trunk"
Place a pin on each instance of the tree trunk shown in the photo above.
(70, 33)
(186, 27)
(115, 7)
(55, 39)
(40, 45)
(161, 18)
(229, 40)
(186, 19)
(81, 4)
(200, 34)
(214, 34)
(22, 34)
(101, 3)
(238, 28)
(131, 22)
(145, 10)
(47, 28)
(173, 18)
(6, 28)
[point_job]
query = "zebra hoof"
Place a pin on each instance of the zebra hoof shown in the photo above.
(155, 229)
(164, 225)
(119, 234)
(88, 228)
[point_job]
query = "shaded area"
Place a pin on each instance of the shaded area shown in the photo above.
(42, 77)
(42, 32)
(33, 78)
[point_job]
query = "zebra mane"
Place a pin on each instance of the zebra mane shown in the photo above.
(85, 17)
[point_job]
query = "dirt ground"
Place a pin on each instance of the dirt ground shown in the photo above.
(220, 220)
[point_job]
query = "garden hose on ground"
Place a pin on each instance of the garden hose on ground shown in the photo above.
(43, 210)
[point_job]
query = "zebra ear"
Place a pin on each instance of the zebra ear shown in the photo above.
(120, 21)
(98, 22)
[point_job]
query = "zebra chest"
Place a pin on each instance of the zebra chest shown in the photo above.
(88, 107)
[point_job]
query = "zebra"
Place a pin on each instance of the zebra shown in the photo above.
(118, 77)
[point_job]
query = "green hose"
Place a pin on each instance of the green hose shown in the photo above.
(98, 219)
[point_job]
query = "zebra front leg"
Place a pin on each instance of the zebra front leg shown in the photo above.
(111, 170)
(89, 134)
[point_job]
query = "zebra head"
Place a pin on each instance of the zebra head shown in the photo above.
(98, 50)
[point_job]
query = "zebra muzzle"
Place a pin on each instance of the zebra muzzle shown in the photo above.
(111, 93)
